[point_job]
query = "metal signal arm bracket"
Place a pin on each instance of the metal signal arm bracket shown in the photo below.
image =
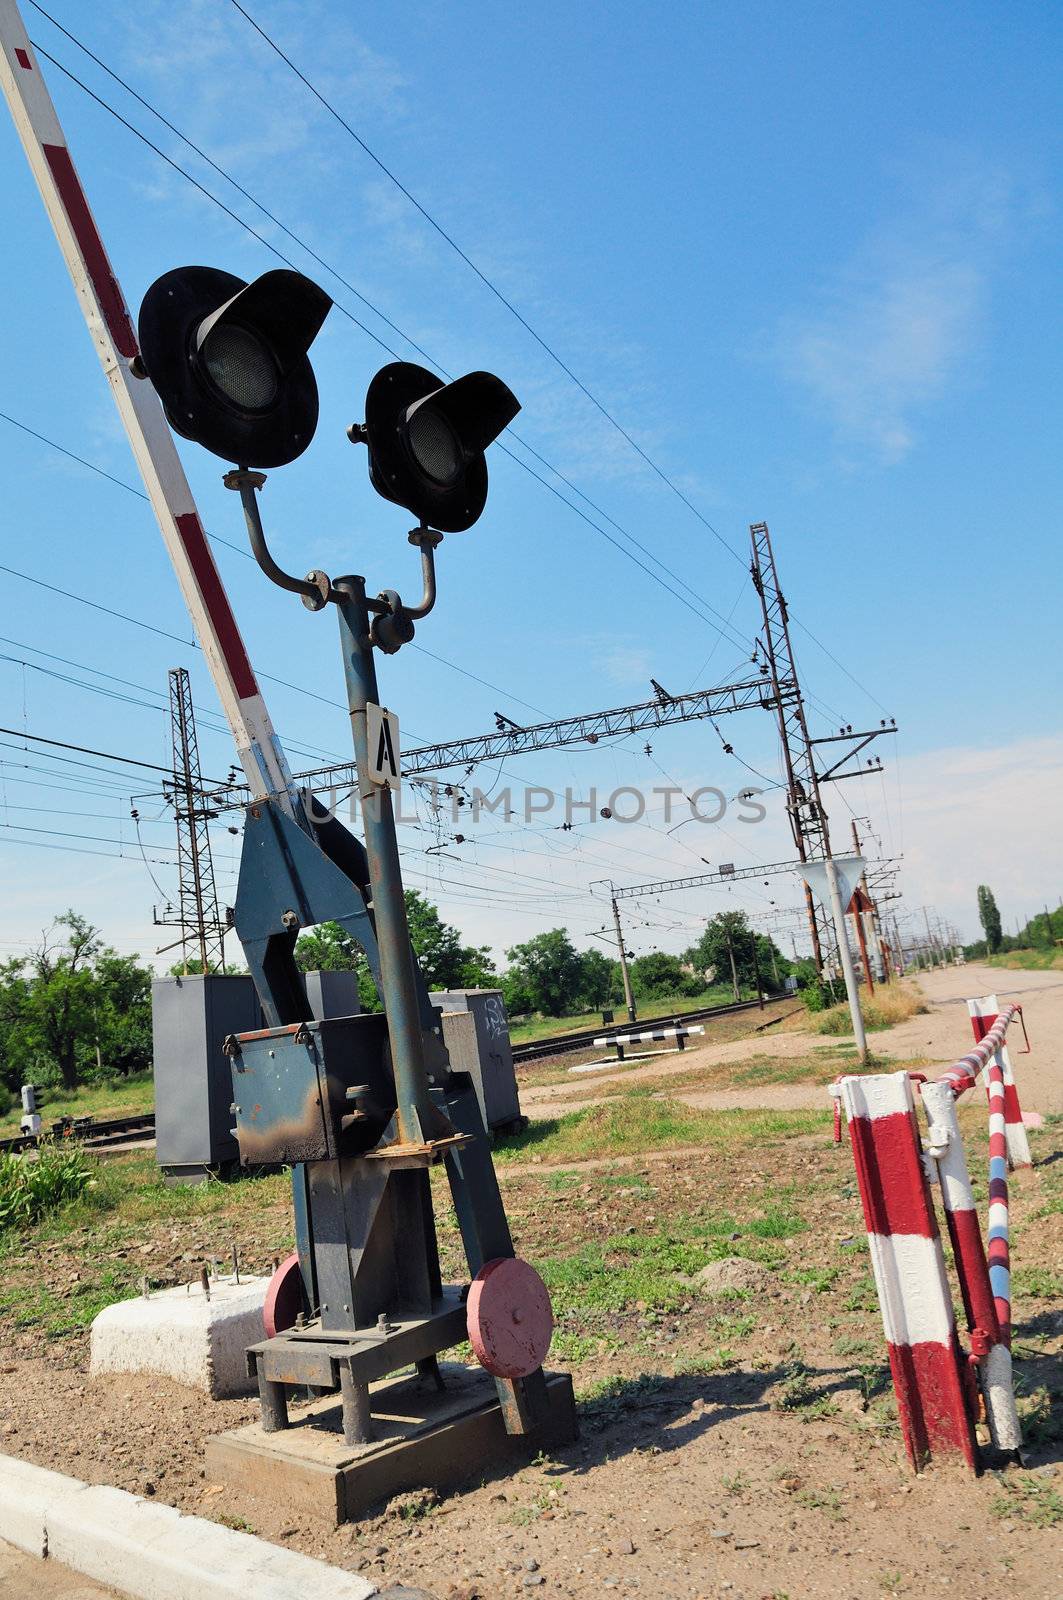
(315, 589)
(393, 621)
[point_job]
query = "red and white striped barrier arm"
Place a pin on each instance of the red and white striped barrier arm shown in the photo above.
(909, 1268)
(111, 328)
(984, 1013)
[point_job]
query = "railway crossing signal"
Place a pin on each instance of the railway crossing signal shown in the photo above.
(360, 1107)
(426, 440)
(228, 360)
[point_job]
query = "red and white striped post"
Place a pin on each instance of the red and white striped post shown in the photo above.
(999, 1232)
(909, 1268)
(989, 1335)
(983, 1013)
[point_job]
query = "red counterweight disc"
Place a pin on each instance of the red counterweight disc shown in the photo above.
(510, 1319)
(284, 1297)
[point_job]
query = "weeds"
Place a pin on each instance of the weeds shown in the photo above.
(795, 1389)
(1040, 1419)
(704, 1366)
(1036, 1283)
(1031, 1500)
(820, 1500)
(34, 1188)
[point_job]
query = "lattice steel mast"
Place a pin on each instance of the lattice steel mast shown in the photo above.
(197, 911)
(808, 820)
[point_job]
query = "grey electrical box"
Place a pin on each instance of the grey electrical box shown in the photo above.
(332, 994)
(476, 1034)
(190, 1017)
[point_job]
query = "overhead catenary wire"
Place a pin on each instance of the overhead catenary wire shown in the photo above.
(302, 243)
(388, 349)
(31, 578)
(132, 619)
(489, 283)
(239, 550)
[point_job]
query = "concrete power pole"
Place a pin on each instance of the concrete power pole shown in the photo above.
(628, 996)
(734, 971)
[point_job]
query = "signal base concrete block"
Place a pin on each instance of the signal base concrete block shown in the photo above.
(181, 1334)
(422, 1439)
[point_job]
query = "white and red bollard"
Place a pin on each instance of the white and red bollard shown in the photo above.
(988, 1312)
(983, 1014)
(909, 1267)
(935, 1384)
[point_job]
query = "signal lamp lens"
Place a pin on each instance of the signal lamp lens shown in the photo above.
(434, 445)
(240, 366)
(426, 440)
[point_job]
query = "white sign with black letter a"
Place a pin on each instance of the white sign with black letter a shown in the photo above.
(383, 731)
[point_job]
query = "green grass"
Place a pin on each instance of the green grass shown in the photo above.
(652, 1271)
(55, 1315)
(639, 1120)
(121, 1203)
(1033, 960)
(1035, 1283)
(546, 1027)
(113, 1097)
(34, 1187)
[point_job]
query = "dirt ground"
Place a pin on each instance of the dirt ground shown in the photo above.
(738, 1437)
(21, 1576)
(1039, 1076)
(940, 1035)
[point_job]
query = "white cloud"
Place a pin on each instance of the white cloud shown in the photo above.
(893, 327)
(984, 816)
(624, 664)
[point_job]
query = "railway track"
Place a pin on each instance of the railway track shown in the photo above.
(112, 1131)
(562, 1043)
(86, 1131)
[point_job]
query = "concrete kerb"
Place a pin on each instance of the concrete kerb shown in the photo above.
(151, 1551)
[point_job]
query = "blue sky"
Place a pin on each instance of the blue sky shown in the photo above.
(808, 257)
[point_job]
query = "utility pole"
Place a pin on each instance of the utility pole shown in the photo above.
(198, 913)
(858, 915)
(808, 819)
(628, 996)
(756, 968)
(734, 973)
(793, 730)
(930, 938)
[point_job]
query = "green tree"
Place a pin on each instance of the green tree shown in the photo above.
(548, 967)
(444, 960)
(73, 1008)
(599, 983)
(732, 928)
(657, 975)
(989, 917)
